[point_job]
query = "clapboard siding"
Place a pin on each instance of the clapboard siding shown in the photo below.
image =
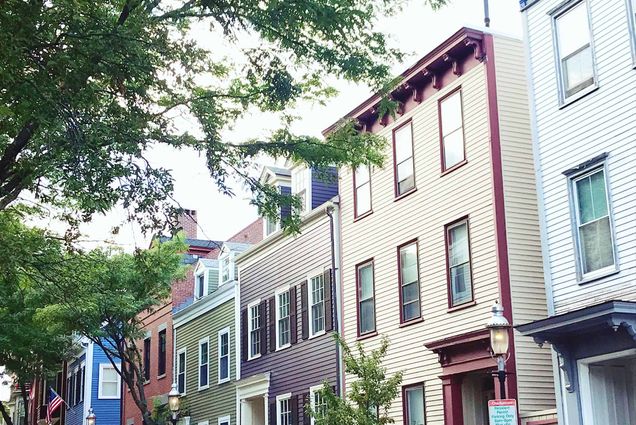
(219, 399)
(287, 262)
(324, 185)
(534, 364)
(107, 410)
(603, 121)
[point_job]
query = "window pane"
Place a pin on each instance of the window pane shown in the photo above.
(224, 367)
(592, 197)
(366, 282)
(451, 110)
(363, 198)
(405, 176)
(408, 263)
(367, 316)
(362, 175)
(410, 293)
(415, 406)
(453, 148)
(403, 143)
(579, 71)
(573, 30)
(596, 244)
(460, 283)
(458, 244)
(109, 374)
(109, 389)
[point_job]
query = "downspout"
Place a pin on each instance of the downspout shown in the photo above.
(334, 227)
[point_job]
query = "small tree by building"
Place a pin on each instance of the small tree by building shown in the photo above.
(370, 395)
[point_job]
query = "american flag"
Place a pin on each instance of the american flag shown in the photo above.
(55, 401)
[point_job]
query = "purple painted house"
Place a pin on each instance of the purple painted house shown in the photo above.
(288, 306)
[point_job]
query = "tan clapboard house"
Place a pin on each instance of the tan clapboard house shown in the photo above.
(445, 228)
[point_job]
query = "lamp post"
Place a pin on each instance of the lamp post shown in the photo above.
(90, 419)
(498, 326)
(174, 402)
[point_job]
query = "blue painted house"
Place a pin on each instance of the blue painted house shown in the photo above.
(92, 382)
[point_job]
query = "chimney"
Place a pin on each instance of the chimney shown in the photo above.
(187, 221)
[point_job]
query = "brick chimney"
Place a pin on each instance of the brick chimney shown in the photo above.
(187, 221)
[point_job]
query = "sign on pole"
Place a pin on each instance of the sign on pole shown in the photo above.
(502, 412)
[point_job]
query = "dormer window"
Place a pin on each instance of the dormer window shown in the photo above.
(226, 266)
(301, 187)
(200, 282)
(271, 226)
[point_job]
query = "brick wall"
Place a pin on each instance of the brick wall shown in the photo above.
(187, 221)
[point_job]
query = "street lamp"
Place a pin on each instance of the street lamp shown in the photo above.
(90, 419)
(174, 401)
(499, 341)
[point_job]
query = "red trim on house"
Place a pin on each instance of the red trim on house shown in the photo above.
(405, 388)
(357, 217)
(499, 207)
(449, 293)
(445, 170)
(374, 331)
(419, 287)
(396, 190)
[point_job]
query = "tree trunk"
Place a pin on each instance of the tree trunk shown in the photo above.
(5, 414)
(25, 401)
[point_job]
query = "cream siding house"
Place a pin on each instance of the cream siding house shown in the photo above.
(445, 228)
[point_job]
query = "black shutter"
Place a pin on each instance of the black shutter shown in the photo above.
(294, 409)
(305, 404)
(304, 300)
(328, 301)
(262, 311)
(272, 325)
(272, 413)
(244, 346)
(293, 320)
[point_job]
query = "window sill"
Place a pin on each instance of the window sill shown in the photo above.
(224, 381)
(572, 99)
(595, 277)
(411, 322)
(317, 334)
(461, 306)
(405, 194)
(367, 335)
(454, 167)
(147, 382)
(361, 216)
(257, 356)
(205, 387)
(161, 376)
(283, 347)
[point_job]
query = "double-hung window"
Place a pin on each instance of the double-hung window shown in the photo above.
(362, 187)
(224, 355)
(403, 156)
(204, 360)
(595, 238)
(199, 290)
(413, 398)
(316, 304)
(317, 403)
(161, 350)
(301, 181)
(366, 298)
(254, 335)
(283, 331)
(459, 268)
(181, 371)
(79, 377)
(226, 266)
(147, 345)
(109, 387)
(283, 410)
(409, 282)
(452, 130)
(575, 55)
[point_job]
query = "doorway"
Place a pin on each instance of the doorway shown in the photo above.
(477, 389)
(253, 411)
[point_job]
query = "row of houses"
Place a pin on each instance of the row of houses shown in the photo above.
(508, 177)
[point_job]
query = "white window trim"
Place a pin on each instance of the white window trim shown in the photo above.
(555, 14)
(308, 191)
(631, 15)
(202, 270)
(574, 212)
(202, 341)
(204, 423)
(224, 419)
(310, 297)
(223, 331)
(312, 401)
(280, 398)
(100, 395)
(231, 264)
(185, 369)
(276, 228)
(279, 291)
(254, 303)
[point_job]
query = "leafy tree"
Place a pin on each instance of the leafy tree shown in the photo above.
(370, 395)
(87, 87)
(106, 302)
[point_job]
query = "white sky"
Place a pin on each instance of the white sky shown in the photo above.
(417, 30)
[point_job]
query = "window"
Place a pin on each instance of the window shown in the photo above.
(409, 282)
(224, 355)
(161, 349)
(574, 50)
(631, 10)
(181, 371)
(225, 420)
(362, 187)
(318, 404)
(71, 386)
(147, 359)
(282, 319)
(452, 130)
(301, 186)
(458, 257)
(254, 335)
(366, 298)
(316, 304)
(204, 354)
(82, 372)
(593, 225)
(283, 410)
(271, 225)
(78, 385)
(403, 156)
(199, 285)
(413, 397)
(108, 381)
(227, 267)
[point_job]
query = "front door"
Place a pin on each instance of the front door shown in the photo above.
(477, 389)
